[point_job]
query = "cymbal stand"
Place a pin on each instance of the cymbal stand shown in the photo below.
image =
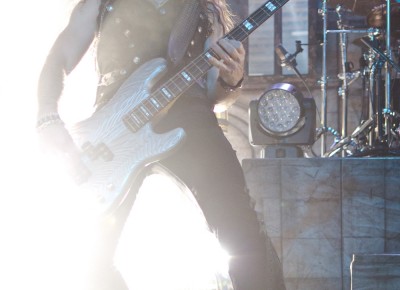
(388, 78)
(376, 85)
(379, 109)
(343, 92)
(324, 78)
(379, 142)
(344, 89)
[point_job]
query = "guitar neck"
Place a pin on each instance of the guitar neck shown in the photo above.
(195, 70)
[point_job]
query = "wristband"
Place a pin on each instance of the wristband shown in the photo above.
(228, 87)
(48, 120)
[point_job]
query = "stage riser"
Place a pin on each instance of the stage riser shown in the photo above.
(320, 211)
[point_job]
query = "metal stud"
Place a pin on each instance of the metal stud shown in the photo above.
(109, 8)
(127, 33)
(136, 59)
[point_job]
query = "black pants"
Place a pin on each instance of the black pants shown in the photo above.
(208, 165)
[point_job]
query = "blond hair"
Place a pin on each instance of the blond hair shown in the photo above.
(224, 14)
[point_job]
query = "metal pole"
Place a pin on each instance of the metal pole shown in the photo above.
(324, 78)
(388, 75)
(369, 30)
(372, 98)
(344, 88)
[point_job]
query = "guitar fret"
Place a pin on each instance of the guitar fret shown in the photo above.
(239, 31)
(141, 116)
(205, 65)
(177, 85)
(202, 65)
(270, 6)
(154, 102)
(261, 17)
(186, 77)
(149, 105)
(138, 121)
(130, 122)
(163, 100)
(135, 114)
(145, 111)
(248, 25)
(211, 52)
(197, 72)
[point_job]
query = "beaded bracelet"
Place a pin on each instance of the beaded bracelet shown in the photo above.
(228, 87)
(48, 120)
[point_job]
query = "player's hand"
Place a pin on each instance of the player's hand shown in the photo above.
(231, 64)
(54, 138)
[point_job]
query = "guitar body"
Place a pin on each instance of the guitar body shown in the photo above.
(112, 153)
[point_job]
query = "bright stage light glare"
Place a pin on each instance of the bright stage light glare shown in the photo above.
(45, 235)
(167, 244)
(48, 237)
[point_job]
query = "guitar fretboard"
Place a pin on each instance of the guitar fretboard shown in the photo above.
(180, 82)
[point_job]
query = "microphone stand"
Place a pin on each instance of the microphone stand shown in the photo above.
(291, 60)
(291, 63)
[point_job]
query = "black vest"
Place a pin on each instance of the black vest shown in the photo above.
(132, 32)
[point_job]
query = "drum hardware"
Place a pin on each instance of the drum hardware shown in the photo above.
(358, 143)
(378, 18)
(351, 77)
(367, 41)
(380, 133)
(359, 7)
(342, 31)
(324, 79)
(379, 106)
(343, 91)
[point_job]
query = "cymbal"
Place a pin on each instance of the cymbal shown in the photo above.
(358, 41)
(377, 18)
(359, 7)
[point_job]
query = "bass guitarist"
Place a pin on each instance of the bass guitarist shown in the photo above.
(126, 34)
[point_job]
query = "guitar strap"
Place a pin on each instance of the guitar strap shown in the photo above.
(183, 30)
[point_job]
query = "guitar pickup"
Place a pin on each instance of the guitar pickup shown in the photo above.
(99, 151)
